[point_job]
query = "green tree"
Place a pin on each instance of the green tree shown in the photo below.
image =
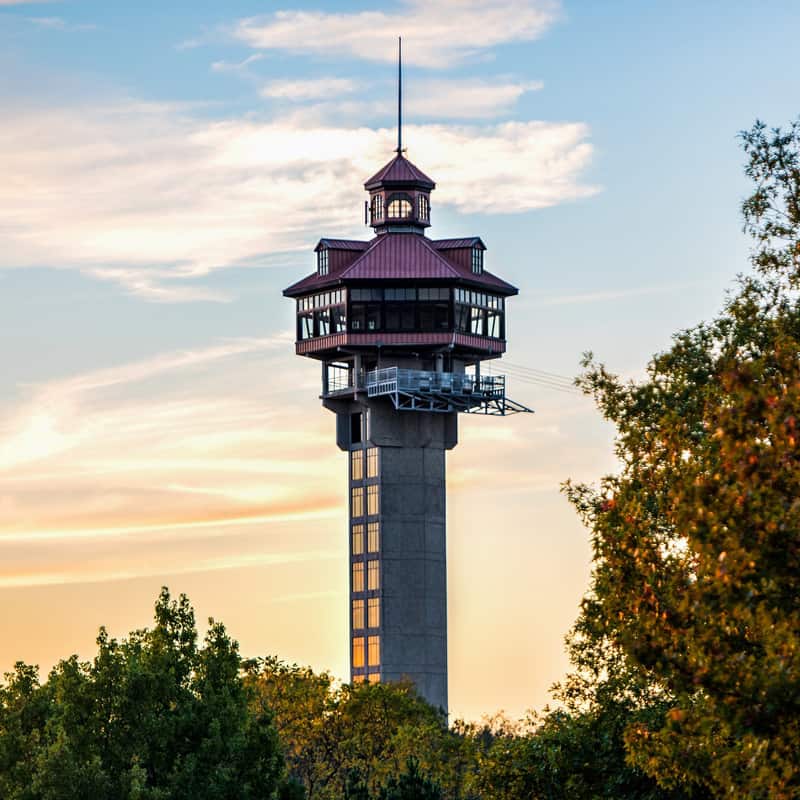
(697, 538)
(153, 717)
(348, 741)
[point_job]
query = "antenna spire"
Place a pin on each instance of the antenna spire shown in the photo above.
(399, 94)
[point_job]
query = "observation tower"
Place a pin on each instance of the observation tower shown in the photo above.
(400, 325)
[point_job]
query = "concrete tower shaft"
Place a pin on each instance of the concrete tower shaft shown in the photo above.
(398, 543)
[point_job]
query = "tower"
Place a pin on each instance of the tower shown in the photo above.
(400, 325)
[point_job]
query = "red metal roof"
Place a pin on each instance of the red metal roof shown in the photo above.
(400, 170)
(342, 244)
(457, 244)
(401, 256)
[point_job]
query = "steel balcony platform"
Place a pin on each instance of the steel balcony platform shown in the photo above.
(445, 392)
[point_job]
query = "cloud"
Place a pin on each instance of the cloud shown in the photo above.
(436, 33)
(465, 99)
(177, 454)
(236, 66)
(308, 89)
(155, 197)
(60, 24)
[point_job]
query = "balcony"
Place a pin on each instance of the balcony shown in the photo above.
(445, 392)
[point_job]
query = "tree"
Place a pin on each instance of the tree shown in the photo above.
(348, 741)
(152, 717)
(697, 539)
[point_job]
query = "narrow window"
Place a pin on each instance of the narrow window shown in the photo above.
(359, 678)
(374, 650)
(358, 576)
(372, 462)
(357, 501)
(424, 207)
(373, 503)
(373, 612)
(358, 614)
(373, 537)
(322, 261)
(358, 540)
(356, 465)
(377, 208)
(477, 260)
(358, 651)
(374, 677)
(373, 575)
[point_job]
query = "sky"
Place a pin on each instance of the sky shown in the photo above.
(166, 169)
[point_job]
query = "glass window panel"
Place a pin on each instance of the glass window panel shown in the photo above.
(373, 500)
(373, 537)
(358, 540)
(373, 612)
(374, 677)
(356, 465)
(322, 262)
(358, 576)
(338, 320)
(373, 575)
(399, 208)
(407, 318)
(307, 326)
(323, 320)
(358, 651)
(358, 614)
(372, 462)
(357, 501)
(476, 321)
(493, 324)
(441, 317)
(359, 678)
(374, 650)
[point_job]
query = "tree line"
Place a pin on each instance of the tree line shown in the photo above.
(685, 679)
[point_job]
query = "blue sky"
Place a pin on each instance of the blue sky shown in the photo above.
(168, 168)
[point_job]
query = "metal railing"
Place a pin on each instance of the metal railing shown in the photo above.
(396, 379)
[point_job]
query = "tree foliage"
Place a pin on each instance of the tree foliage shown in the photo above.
(152, 717)
(697, 538)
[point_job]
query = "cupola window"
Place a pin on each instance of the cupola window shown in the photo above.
(400, 208)
(322, 262)
(477, 260)
(377, 208)
(424, 208)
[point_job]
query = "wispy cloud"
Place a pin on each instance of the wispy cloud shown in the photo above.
(154, 197)
(312, 89)
(437, 33)
(466, 99)
(60, 24)
(236, 66)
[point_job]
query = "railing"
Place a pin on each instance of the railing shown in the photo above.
(396, 379)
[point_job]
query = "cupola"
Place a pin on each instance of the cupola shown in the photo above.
(399, 198)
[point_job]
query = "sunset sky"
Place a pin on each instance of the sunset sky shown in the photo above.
(166, 169)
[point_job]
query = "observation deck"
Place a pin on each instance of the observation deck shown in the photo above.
(421, 390)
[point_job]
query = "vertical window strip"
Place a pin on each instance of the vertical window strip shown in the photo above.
(373, 650)
(372, 462)
(358, 576)
(358, 651)
(358, 540)
(373, 612)
(373, 500)
(357, 501)
(358, 614)
(356, 465)
(373, 537)
(373, 574)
